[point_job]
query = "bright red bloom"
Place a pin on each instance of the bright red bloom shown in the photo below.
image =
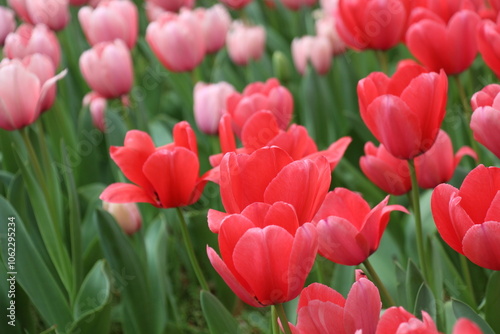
(396, 320)
(322, 310)
(266, 256)
(404, 112)
(349, 231)
(236, 4)
(465, 326)
(445, 9)
(167, 176)
(488, 38)
(270, 175)
(485, 123)
(468, 218)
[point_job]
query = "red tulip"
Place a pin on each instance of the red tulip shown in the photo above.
(52, 13)
(396, 320)
(445, 9)
(322, 310)
(245, 43)
(236, 4)
(7, 23)
(314, 49)
(372, 24)
(488, 37)
(210, 104)
(117, 19)
(166, 177)
(266, 256)
(485, 123)
(467, 218)
(404, 112)
(453, 44)
(349, 231)
(465, 326)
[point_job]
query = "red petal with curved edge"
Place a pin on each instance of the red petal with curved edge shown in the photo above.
(364, 296)
(440, 205)
(481, 245)
(215, 219)
(334, 152)
(295, 141)
(426, 40)
(369, 88)
(321, 318)
(485, 122)
(283, 215)
(321, 292)
(461, 41)
(126, 193)
(184, 136)
(226, 134)
(392, 318)
(391, 179)
(230, 280)
(268, 251)
(259, 130)
(174, 175)
(404, 74)
(465, 326)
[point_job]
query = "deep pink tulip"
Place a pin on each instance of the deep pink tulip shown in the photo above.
(445, 9)
(236, 4)
(215, 22)
(116, 19)
(172, 5)
(465, 326)
(21, 94)
(348, 230)
(322, 310)
(177, 40)
(314, 49)
(53, 13)
(281, 253)
(107, 68)
(396, 320)
(297, 4)
(210, 104)
(372, 24)
(127, 215)
(453, 45)
(325, 26)
(97, 107)
(245, 43)
(28, 40)
(7, 23)
(404, 112)
(488, 37)
(468, 218)
(485, 123)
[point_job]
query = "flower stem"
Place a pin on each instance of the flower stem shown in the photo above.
(282, 315)
(384, 293)
(418, 220)
(274, 321)
(468, 279)
(189, 248)
(382, 59)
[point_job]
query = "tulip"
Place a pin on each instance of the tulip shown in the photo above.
(109, 21)
(349, 231)
(322, 310)
(453, 44)
(215, 22)
(245, 43)
(466, 218)
(270, 175)
(465, 326)
(171, 5)
(52, 13)
(107, 68)
(21, 95)
(372, 24)
(488, 37)
(28, 40)
(325, 26)
(177, 40)
(314, 49)
(281, 253)
(484, 121)
(396, 320)
(97, 106)
(166, 177)
(329, 6)
(269, 95)
(297, 4)
(445, 9)
(44, 69)
(7, 23)
(404, 112)
(236, 4)
(127, 215)
(209, 104)
(153, 11)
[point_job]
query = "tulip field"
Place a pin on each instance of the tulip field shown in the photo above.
(250, 166)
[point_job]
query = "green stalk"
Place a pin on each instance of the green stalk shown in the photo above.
(190, 250)
(274, 321)
(382, 60)
(468, 279)
(282, 315)
(384, 293)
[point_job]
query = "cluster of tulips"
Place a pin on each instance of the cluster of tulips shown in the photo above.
(284, 211)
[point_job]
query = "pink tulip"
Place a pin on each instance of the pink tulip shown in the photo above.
(236, 4)
(117, 19)
(485, 123)
(171, 5)
(127, 215)
(97, 106)
(210, 104)
(465, 326)
(325, 26)
(107, 68)
(21, 94)
(396, 320)
(245, 43)
(329, 6)
(177, 40)
(153, 11)
(215, 21)
(297, 4)
(7, 23)
(28, 40)
(488, 37)
(43, 68)
(53, 13)
(314, 49)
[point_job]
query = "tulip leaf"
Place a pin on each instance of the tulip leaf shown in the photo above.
(219, 320)
(401, 285)
(414, 281)
(492, 305)
(425, 302)
(463, 310)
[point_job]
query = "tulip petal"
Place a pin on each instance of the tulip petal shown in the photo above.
(321, 292)
(334, 152)
(481, 244)
(259, 130)
(226, 135)
(126, 193)
(466, 326)
(440, 205)
(321, 318)
(215, 219)
(392, 319)
(485, 122)
(365, 296)
(425, 40)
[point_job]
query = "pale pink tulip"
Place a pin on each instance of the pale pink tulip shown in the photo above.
(215, 22)
(325, 26)
(245, 43)
(42, 67)
(314, 49)
(97, 107)
(7, 23)
(210, 104)
(127, 215)
(107, 68)
(116, 19)
(53, 13)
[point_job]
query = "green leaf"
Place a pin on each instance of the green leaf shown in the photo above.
(425, 302)
(463, 310)
(414, 281)
(401, 286)
(219, 320)
(492, 305)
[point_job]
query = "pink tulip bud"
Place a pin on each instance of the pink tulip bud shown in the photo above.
(111, 20)
(325, 26)
(209, 104)
(245, 43)
(53, 13)
(171, 5)
(97, 106)
(314, 49)
(153, 11)
(107, 68)
(21, 94)
(7, 23)
(215, 21)
(127, 215)
(28, 40)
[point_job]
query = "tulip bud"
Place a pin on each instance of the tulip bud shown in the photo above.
(97, 106)
(314, 49)
(127, 215)
(281, 66)
(245, 43)
(210, 104)
(52, 13)
(7, 23)
(215, 23)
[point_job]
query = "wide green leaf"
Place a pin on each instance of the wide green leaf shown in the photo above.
(492, 305)
(463, 310)
(219, 320)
